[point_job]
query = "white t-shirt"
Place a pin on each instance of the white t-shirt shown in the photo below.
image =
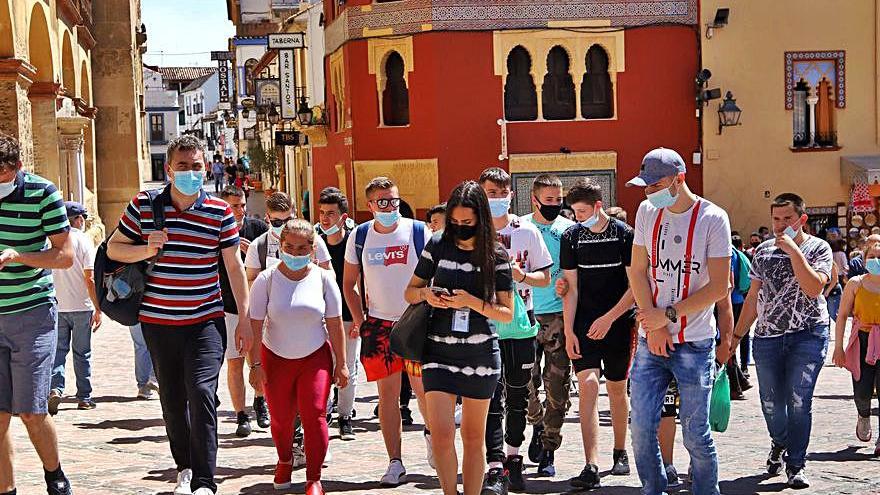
(390, 263)
(672, 276)
(70, 286)
(295, 310)
(525, 245)
(252, 259)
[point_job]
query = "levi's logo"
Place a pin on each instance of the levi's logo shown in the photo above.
(391, 255)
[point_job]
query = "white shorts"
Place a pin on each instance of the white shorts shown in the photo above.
(231, 350)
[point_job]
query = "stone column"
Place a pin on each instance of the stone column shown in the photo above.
(16, 77)
(44, 100)
(811, 101)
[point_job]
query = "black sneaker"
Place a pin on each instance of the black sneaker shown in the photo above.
(797, 478)
(244, 424)
(58, 486)
(406, 416)
(495, 483)
(774, 459)
(672, 479)
(588, 479)
(261, 411)
(537, 443)
(621, 463)
(345, 430)
(545, 466)
(514, 467)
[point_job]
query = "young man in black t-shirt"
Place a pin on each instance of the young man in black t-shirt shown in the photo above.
(598, 318)
(248, 230)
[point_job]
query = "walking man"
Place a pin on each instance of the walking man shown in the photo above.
(789, 273)
(143, 365)
(386, 251)
(32, 212)
(249, 228)
(219, 173)
(182, 315)
(547, 417)
(680, 268)
(530, 262)
(599, 321)
(78, 313)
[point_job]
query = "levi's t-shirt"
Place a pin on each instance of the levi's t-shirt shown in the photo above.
(526, 248)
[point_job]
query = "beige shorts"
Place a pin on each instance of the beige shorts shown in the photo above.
(231, 323)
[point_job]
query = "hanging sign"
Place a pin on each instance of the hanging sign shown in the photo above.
(287, 41)
(287, 77)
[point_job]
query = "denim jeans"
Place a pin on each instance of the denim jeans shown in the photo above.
(143, 365)
(834, 306)
(692, 365)
(74, 331)
(788, 367)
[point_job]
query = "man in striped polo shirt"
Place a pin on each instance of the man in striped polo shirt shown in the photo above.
(182, 312)
(31, 212)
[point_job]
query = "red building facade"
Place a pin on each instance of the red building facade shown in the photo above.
(431, 92)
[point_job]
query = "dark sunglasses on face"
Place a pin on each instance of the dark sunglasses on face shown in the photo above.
(385, 202)
(277, 222)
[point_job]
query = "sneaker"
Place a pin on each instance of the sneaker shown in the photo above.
(203, 491)
(514, 467)
(429, 450)
(774, 459)
(877, 448)
(60, 486)
(283, 472)
(863, 429)
(545, 466)
(621, 463)
(261, 411)
(672, 480)
(184, 478)
(314, 488)
(345, 431)
(537, 443)
(495, 483)
(458, 415)
(406, 416)
(153, 385)
(86, 405)
(299, 457)
(54, 402)
(395, 475)
(588, 479)
(145, 393)
(244, 425)
(797, 479)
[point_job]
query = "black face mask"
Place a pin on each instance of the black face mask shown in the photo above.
(462, 232)
(549, 212)
(755, 243)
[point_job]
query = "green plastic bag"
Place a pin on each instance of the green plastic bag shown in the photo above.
(719, 403)
(519, 327)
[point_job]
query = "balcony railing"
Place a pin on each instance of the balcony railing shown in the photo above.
(287, 4)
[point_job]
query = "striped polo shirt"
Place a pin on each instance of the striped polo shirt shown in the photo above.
(28, 216)
(183, 287)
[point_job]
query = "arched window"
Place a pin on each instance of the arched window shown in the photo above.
(597, 96)
(520, 95)
(250, 88)
(557, 92)
(395, 96)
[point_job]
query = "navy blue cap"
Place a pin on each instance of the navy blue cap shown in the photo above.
(658, 164)
(75, 209)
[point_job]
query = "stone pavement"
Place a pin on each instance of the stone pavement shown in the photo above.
(120, 447)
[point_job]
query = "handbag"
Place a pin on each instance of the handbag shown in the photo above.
(719, 402)
(410, 332)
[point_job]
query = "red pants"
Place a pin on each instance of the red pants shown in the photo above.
(299, 386)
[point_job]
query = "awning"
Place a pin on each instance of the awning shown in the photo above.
(860, 168)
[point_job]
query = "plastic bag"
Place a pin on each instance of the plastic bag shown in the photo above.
(520, 327)
(719, 403)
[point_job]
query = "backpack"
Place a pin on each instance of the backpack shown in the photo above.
(741, 279)
(262, 245)
(120, 286)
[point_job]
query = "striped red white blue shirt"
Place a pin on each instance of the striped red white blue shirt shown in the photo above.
(183, 287)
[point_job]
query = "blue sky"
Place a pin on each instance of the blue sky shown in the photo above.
(182, 32)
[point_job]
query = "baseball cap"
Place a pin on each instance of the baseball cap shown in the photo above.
(75, 209)
(657, 164)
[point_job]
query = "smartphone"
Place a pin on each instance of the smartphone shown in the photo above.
(441, 291)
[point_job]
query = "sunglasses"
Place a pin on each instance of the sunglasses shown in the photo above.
(385, 202)
(277, 222)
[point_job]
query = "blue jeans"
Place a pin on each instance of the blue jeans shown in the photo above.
(788, 367)
(74, 331)
(692, 365)
(834, 306)
(143, 364)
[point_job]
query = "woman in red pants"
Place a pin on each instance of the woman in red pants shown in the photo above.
(301, 307)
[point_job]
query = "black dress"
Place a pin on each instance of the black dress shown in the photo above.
(457, 362)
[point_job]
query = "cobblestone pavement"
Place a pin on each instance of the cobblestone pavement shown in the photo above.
(120, 447)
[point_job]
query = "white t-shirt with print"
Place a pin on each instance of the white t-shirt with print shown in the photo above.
(525, 245)
(70, 286)
(672, 276)
(390, 262)
(252, 259)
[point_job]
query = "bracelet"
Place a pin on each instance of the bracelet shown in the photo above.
(254, 365)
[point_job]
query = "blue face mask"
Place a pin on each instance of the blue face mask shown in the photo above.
(277, 230)
(873, 266)
(662, 198)
(499, 206)
(593, 220)
(295, 263)
(189, 183)
(387, 218)
(332, 230)
(791, 232)
(6, 188)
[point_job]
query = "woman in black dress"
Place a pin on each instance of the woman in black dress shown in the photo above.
(471, 285)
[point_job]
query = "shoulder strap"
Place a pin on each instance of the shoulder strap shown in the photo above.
(263, 249)
(157, 206)
(360, 238)
(418, 232)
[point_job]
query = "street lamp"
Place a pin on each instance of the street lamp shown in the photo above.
(274, 116)
(304, 113)
(261, 114)
(728, 113)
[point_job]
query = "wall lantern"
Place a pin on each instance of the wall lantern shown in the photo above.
(728, 113)
(304, 113)
(274, 116)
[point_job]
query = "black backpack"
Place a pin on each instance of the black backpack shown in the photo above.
(120, 286)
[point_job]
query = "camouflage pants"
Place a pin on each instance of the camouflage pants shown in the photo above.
(556, 376)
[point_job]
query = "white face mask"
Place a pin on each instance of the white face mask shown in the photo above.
(6, 188)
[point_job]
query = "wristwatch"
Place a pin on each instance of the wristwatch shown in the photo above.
(671, 314)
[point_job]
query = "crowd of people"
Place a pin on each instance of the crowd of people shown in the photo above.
(521, 307)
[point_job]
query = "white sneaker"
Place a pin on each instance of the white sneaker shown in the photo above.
(203, 491)
(299, 457)
(395, 475)
(458, 415)
(183, 480)
(430, 451)
(863, 429)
